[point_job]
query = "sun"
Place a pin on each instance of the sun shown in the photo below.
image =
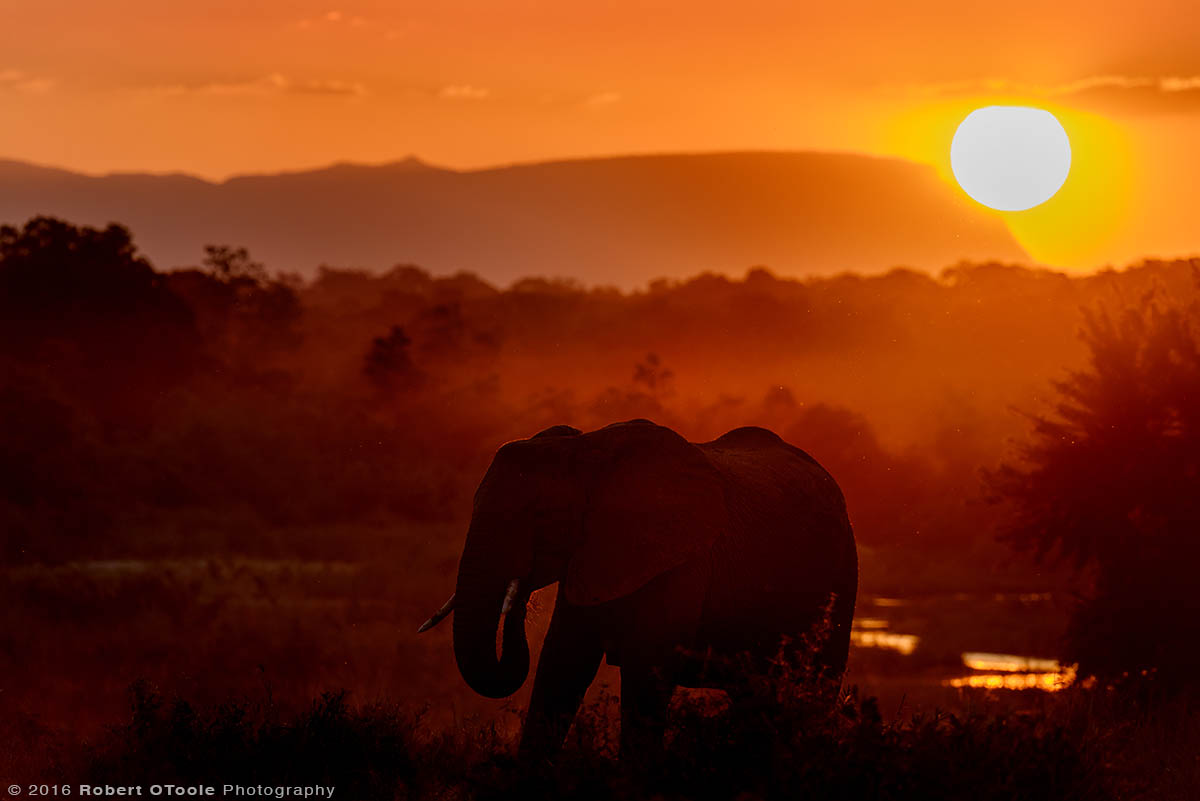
(1010, 158)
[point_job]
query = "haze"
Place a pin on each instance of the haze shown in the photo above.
(279, 281)
(219, 88)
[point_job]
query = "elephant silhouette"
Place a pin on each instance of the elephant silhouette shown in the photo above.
(663, 550)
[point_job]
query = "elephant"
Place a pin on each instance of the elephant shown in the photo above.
(669, 555)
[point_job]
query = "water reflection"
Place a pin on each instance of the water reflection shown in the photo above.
(904, 643)
(1008, 663)
(868, 632)
(1010, 672)
(1049, 682)
(984, 670)
(1023, 597)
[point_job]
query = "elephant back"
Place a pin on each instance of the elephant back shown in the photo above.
(789, 545)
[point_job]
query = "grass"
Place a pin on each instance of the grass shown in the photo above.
(236, 654)
(777, 743)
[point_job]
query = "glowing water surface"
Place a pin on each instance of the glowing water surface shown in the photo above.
(1008, 672)
(994, 671)
(904, 643)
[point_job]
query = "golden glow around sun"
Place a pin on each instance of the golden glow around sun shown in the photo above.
(1090, 215)
(1010, 158)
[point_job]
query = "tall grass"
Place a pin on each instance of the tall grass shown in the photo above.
(776, 742)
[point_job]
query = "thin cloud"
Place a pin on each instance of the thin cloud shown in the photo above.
(332, 18)
(1121, 93)
(464, 91)
(1095, 82)
(578, 100)
(268, 84)
(603, 99)
(273, 84)
(327, 87)
(20, 81)
(1191, 84)
(1172, 94)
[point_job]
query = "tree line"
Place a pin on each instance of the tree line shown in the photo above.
(142, 410)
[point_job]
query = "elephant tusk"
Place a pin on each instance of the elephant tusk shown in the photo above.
(438, 616)
(513, 587)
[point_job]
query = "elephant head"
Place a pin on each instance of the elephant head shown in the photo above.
(603, 513)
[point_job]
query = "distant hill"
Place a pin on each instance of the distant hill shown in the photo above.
(621, 220)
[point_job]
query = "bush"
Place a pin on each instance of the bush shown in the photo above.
(1109, 481)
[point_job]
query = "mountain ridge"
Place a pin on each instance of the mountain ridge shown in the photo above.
(619, 220)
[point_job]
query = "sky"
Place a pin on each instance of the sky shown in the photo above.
(216, 88)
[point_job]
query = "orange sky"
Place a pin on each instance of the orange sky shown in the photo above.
(216, 88)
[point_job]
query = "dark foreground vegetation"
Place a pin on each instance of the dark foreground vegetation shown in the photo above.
(782, 745)
(238, 484)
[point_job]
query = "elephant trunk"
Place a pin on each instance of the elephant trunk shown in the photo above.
(476, 616)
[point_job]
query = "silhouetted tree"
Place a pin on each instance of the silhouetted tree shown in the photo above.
(650, 386)
(243, 314)
(82, 302)
(652, 374)
(1112, 482)
(389, 366)
(228, 264)
(444, 337)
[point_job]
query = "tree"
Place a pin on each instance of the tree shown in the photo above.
(228, 264)
(244, 315)
(389, 365)
(1111, 481)
(653, 375)
(83, 305)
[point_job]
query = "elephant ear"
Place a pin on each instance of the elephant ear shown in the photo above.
(655, 503)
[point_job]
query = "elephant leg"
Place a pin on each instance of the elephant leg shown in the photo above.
(645, 695)
(569, 660)
(662, 620)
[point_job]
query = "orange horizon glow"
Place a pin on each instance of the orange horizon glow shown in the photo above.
(215, 89)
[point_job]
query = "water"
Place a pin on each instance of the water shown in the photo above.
(903, 643)
(985, 670)
(1009, 672)
(871, 632)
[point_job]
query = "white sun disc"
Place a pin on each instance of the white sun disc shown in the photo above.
(1010, 158)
